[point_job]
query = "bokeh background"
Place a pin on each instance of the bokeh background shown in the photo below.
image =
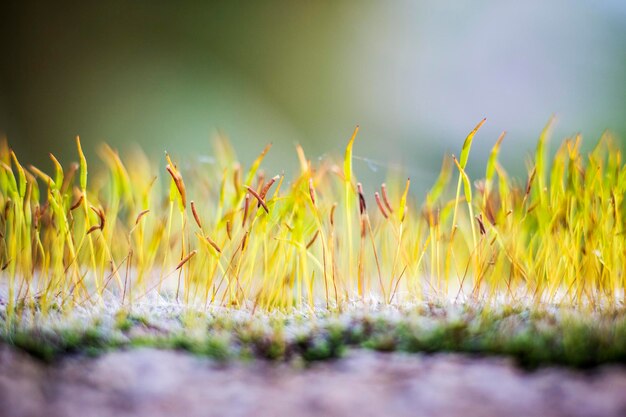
(415, 75)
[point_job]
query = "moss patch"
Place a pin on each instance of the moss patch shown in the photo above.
(534, 337)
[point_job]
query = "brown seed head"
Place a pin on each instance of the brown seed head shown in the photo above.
(379, 203)
(246, 205)
(214, 244)
(383, 189)
(267, 187)
(308, 245)
(77, 203)
(195, 214)
(362, 206)
(332, 214)
(140, 215)
(258, 197)
(311, 191)
(100, 213)
(180, 185)
(229, 229)
(186, 259)
(481, 225)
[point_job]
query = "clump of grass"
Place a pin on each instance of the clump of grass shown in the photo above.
(260, 242)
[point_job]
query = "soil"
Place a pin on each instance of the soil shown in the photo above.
(149, 382)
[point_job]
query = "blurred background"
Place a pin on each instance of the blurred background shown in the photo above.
(415, 75)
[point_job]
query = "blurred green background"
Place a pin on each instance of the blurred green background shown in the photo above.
(415, 75)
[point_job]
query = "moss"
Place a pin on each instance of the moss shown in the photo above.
(528, 231)
(218, 348)
(315, 349)
(32, 345)
(272, 347)
(533, 338)
(319, 345)
(529, 349)
(123, 321)
(48, 345)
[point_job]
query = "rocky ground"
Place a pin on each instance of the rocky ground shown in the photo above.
(150, 382)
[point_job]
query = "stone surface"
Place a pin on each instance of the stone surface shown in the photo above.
(148, 382)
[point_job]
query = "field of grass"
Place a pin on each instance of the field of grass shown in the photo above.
(519, 266)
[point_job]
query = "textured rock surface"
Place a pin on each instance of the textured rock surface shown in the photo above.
(148, 382)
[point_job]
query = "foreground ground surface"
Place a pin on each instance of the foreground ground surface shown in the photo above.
(151, 382)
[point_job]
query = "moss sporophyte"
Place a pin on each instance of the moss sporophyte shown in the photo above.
(256, 241)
